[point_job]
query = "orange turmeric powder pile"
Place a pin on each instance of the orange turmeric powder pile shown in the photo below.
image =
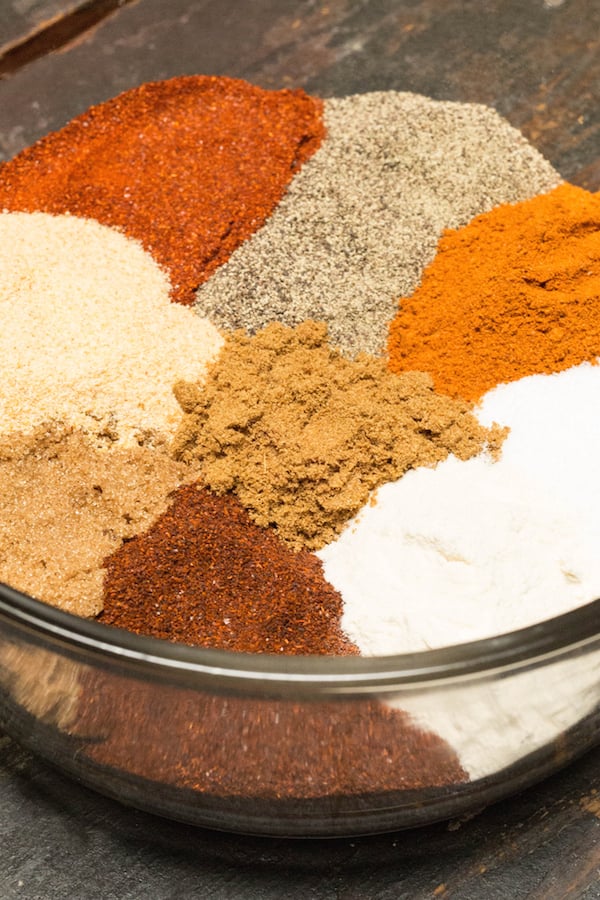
(515, 292)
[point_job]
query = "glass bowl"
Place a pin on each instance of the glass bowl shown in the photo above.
(298, 746)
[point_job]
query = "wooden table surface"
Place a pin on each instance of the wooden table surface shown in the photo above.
(538, 63)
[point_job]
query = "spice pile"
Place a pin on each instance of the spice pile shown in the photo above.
(533, 276)
(335, 384)
(175, 165)
(302, 435)
(361, 220)
(89, 336)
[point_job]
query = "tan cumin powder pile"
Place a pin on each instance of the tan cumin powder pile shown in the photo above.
(65, 505)
(89, 335)
(302, 434)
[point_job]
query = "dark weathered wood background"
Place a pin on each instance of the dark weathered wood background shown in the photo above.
(538, 63)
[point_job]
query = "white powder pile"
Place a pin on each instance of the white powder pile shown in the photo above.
(473, 549)
(555, 436)
(493, 723)
(362, 218)
(89, 336)
(464, 551)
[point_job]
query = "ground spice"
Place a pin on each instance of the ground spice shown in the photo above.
(64, 505)
(262, 749)
(362, 218)
(89, 336)
(514, 293)
(465, 551)
(302, 435)
(289, 399)
(204, 574)
(190, 167)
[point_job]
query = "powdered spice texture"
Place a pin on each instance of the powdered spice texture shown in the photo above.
(302, 435)
(88, 334)
(247, 748)
(65, 505)
(204, 574)
(514, 293)
(363, 216)
(190, 167)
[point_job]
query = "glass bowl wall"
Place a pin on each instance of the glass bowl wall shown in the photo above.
(299, 746)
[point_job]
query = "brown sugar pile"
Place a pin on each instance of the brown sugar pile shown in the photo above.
(514, 293)
(302, 435)
(65, 505)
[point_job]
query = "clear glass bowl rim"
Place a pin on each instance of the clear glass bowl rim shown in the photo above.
(317, 674)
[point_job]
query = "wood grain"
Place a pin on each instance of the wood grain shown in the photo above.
(20, 20)
(62, 841)
(537, 64)
(39, 37)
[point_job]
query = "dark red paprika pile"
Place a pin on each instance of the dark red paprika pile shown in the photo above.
(205, 574)
(234, 746)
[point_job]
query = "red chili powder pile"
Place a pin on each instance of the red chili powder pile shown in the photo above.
(514, 293)
(233, 746)
(190, 167)
(205, 574)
